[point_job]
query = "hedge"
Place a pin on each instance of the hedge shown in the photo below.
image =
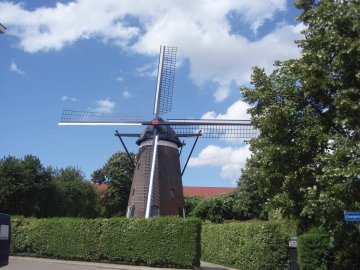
(313, 250)
(165, 241)
(251, 245)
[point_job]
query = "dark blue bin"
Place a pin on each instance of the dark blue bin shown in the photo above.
(5, 236)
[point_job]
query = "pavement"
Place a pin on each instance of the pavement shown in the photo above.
(30, 263)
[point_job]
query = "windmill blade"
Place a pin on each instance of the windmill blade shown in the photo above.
(2, 29)
(100, 119)
(165, 80)
(152, 174)
(211, 128)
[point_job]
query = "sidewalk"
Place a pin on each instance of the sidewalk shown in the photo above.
(18, 263)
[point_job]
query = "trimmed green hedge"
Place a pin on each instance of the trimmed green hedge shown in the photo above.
(165, 241)
(251, 245)
(313, 250)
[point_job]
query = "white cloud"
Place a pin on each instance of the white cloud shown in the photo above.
(104, 106)
(126, 94)
(67, 98)
(257, 12)
(147, 70)
(221, 93)
(14, 68)
(237, 111)
(52, 28)
(202, 33)
(230, 159)
(228, 60)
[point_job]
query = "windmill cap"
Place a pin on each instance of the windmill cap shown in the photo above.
(166, 133)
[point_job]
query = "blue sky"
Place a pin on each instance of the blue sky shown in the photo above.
(92, 55)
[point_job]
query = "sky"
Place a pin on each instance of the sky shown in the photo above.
(102, 56)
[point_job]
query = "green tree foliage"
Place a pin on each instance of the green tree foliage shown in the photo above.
(75, 197)
(25, 187)
(306, 161)
(28, 188)
(283, 154)
(117, 173)
(231, 206)
(191, 202)
(214, 209)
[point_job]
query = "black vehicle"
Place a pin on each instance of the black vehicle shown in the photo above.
(5, 235)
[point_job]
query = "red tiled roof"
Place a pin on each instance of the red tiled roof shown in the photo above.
(100, 186)
(206, 192)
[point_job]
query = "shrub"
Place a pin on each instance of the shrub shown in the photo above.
(215, 209)
(190, 204)
(313, 250)
(231, 206)
(346, 245)
(159, 241)
(165, 241)
(250, 245)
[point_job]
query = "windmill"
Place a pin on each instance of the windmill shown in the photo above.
(157, 182)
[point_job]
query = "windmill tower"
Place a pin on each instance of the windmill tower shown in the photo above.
(157, 182)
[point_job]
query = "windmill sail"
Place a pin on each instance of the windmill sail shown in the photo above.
(163, 104)
(71, 118)
(165, 80)
(215, 129)
(152, 176)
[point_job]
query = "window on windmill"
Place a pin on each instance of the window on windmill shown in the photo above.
(130, 211)
(133, 192)
(155, 210)
(172, 193)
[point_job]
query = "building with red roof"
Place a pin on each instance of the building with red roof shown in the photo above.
(205, 192)
(100, 186)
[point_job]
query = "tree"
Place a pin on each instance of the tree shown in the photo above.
(306, 161)
(283, 154)
(25, 187)
(117, 173)
(75, 197)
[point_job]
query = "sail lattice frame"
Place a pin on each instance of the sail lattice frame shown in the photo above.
(70, 117)
(217, 131)
(167, 80)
